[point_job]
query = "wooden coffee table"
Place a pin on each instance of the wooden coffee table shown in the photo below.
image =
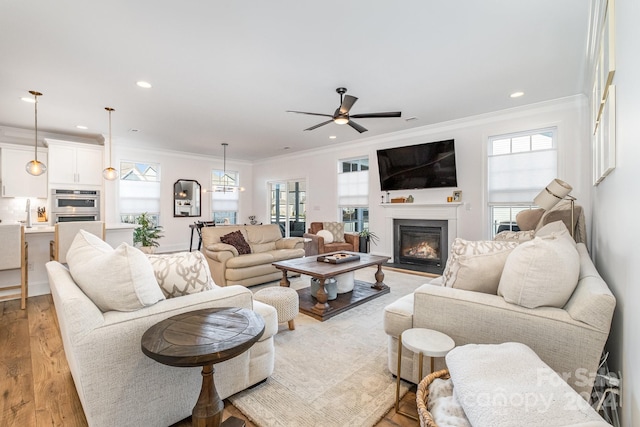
(202, 338)
(323, 271)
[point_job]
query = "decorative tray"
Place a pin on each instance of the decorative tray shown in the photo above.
(338, 258)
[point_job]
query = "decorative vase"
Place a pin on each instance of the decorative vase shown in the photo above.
(363, 245)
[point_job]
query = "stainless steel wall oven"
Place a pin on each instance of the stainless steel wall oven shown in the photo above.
(75, 205)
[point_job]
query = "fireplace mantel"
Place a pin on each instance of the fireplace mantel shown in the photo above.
(442, 211)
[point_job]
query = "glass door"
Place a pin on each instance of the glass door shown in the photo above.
(288, 207)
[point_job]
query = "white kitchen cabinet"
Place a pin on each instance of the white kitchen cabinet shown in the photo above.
(16, 182)
(74, 164)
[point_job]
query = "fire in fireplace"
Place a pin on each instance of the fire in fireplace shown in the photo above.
(420, 244)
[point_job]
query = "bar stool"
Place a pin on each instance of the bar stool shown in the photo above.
(64, 234)
(424, 342)
(14, 254)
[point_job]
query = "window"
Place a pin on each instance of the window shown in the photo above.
(288, 206)
(139, 191)
(353, 193)
(224, 197)
(519, 165)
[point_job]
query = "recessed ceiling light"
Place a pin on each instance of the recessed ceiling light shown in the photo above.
(30, 100)
(516, 94)
(144, 84)
(332, 137)
(133, 130)
(410, 119)
(82, 127)
(286, 148)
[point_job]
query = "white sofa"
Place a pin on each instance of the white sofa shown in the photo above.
(117, 384)
(569, 339)
(229, 267)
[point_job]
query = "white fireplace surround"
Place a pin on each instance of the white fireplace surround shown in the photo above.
(435, 211)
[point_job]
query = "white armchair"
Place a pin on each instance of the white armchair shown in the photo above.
(117, 384)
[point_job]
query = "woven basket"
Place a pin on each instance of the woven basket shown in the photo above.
(422, 397)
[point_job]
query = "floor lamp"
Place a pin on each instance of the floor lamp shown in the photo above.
(552, 194)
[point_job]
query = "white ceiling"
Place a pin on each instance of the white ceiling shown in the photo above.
(226, 71)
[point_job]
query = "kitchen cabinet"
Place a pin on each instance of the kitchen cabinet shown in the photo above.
(74, 164)
(16, 182)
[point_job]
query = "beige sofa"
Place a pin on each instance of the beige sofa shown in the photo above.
(569, 339)
(117, 384)
(228, 267)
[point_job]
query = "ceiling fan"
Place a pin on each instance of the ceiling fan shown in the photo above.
(341, 115)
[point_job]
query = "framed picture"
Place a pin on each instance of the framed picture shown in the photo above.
(604, 139)
(457, 196)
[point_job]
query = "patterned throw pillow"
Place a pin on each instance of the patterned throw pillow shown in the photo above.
(236, 239)
(337, 229)
(515, 236)
(476, 265)
(181, 273)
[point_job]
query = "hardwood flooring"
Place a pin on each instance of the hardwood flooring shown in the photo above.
(35, 381)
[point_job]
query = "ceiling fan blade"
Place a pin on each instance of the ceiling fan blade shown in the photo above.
(319, 124)
(311, 114)
(347, 103)
(356, 126)
(371, 115)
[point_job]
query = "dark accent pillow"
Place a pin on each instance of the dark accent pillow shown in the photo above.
(236, 239)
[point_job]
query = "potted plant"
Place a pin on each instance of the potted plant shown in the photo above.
(147, 234)
(367, 236)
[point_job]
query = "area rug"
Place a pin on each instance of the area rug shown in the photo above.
(331, 373)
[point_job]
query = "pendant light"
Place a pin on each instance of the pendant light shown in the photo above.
(110, 173)
(34, 167)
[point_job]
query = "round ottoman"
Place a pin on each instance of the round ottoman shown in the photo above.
(283, 299)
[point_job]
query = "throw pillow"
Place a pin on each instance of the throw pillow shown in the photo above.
(476, 266)
(555, 229)
(529, 219)
(120, 279)
(182, 273)
(541, 272)
(236, 239)
(515, 236)
(326, 235)
(337, 229)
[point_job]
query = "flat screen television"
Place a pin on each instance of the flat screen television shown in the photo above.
(429, 165)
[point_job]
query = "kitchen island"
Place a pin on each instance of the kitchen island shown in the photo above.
(38, 238)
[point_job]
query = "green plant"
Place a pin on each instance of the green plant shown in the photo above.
(147, 234)
(369, 235)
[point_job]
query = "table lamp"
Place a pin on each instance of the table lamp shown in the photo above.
(552, 194)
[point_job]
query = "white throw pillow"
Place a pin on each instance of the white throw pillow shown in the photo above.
(120, 279)
(326, 235)
(476, 265)
(182, 273)
(556, 229)
(541, 272)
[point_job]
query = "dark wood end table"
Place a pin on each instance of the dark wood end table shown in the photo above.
(203, 338)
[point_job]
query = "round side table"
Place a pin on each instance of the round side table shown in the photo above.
(203, 338)
(424, 342)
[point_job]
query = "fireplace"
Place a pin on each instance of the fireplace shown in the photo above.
(420, 244)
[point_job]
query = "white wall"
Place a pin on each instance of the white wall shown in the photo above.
(174, 166)
(319, 167)
(615, 209)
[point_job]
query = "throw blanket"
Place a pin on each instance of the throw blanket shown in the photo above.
(509, 385)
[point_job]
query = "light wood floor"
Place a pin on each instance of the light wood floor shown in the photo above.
(36, 385)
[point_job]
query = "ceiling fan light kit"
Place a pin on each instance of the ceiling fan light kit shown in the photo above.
(341, 115)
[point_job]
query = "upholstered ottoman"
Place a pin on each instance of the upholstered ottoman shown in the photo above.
(283, 299)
